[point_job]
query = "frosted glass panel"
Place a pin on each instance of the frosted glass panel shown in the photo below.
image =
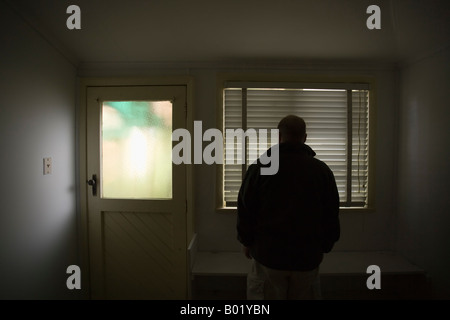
(136, 150)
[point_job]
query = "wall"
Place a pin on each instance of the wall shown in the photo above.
(38, 235)
(423, 171)
(216, 231)
(360, 231)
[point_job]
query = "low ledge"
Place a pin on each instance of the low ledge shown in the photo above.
(334, 263)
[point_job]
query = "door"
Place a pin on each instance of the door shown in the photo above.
(137, 196)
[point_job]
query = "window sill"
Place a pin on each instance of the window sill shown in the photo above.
(232, 210)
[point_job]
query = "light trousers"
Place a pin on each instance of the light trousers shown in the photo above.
(271, 284)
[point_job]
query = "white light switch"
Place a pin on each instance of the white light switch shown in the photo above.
(47, 166)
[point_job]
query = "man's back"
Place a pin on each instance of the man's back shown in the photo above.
(291, 218)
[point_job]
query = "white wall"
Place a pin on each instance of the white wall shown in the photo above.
(360, 231)
(38, 236)
(424, 175)
(217, 231)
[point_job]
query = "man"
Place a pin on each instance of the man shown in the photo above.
(286, 221)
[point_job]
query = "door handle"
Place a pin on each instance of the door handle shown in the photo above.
(93, 184)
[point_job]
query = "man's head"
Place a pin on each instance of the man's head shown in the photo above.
(292, 129)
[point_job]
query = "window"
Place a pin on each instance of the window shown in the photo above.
(131, 131)
(337, 125)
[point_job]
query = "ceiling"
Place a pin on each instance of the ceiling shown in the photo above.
(240, 30)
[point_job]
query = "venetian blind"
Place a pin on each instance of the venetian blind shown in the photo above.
(337, 124)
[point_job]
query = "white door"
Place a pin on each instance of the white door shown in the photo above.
(137, 196)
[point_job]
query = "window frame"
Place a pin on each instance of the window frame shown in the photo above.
(224, 79)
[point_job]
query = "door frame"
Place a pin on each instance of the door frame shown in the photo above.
(83, 221)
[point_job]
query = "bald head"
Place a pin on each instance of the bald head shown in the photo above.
(292, 129)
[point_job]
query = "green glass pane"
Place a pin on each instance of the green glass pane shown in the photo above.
(136, 150)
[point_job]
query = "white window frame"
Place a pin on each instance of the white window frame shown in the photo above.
(346, 84)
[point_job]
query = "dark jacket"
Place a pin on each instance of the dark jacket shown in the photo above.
(289, 219)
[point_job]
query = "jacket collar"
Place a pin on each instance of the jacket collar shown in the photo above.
(297, 147)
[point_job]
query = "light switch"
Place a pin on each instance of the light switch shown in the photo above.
(47, 166)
